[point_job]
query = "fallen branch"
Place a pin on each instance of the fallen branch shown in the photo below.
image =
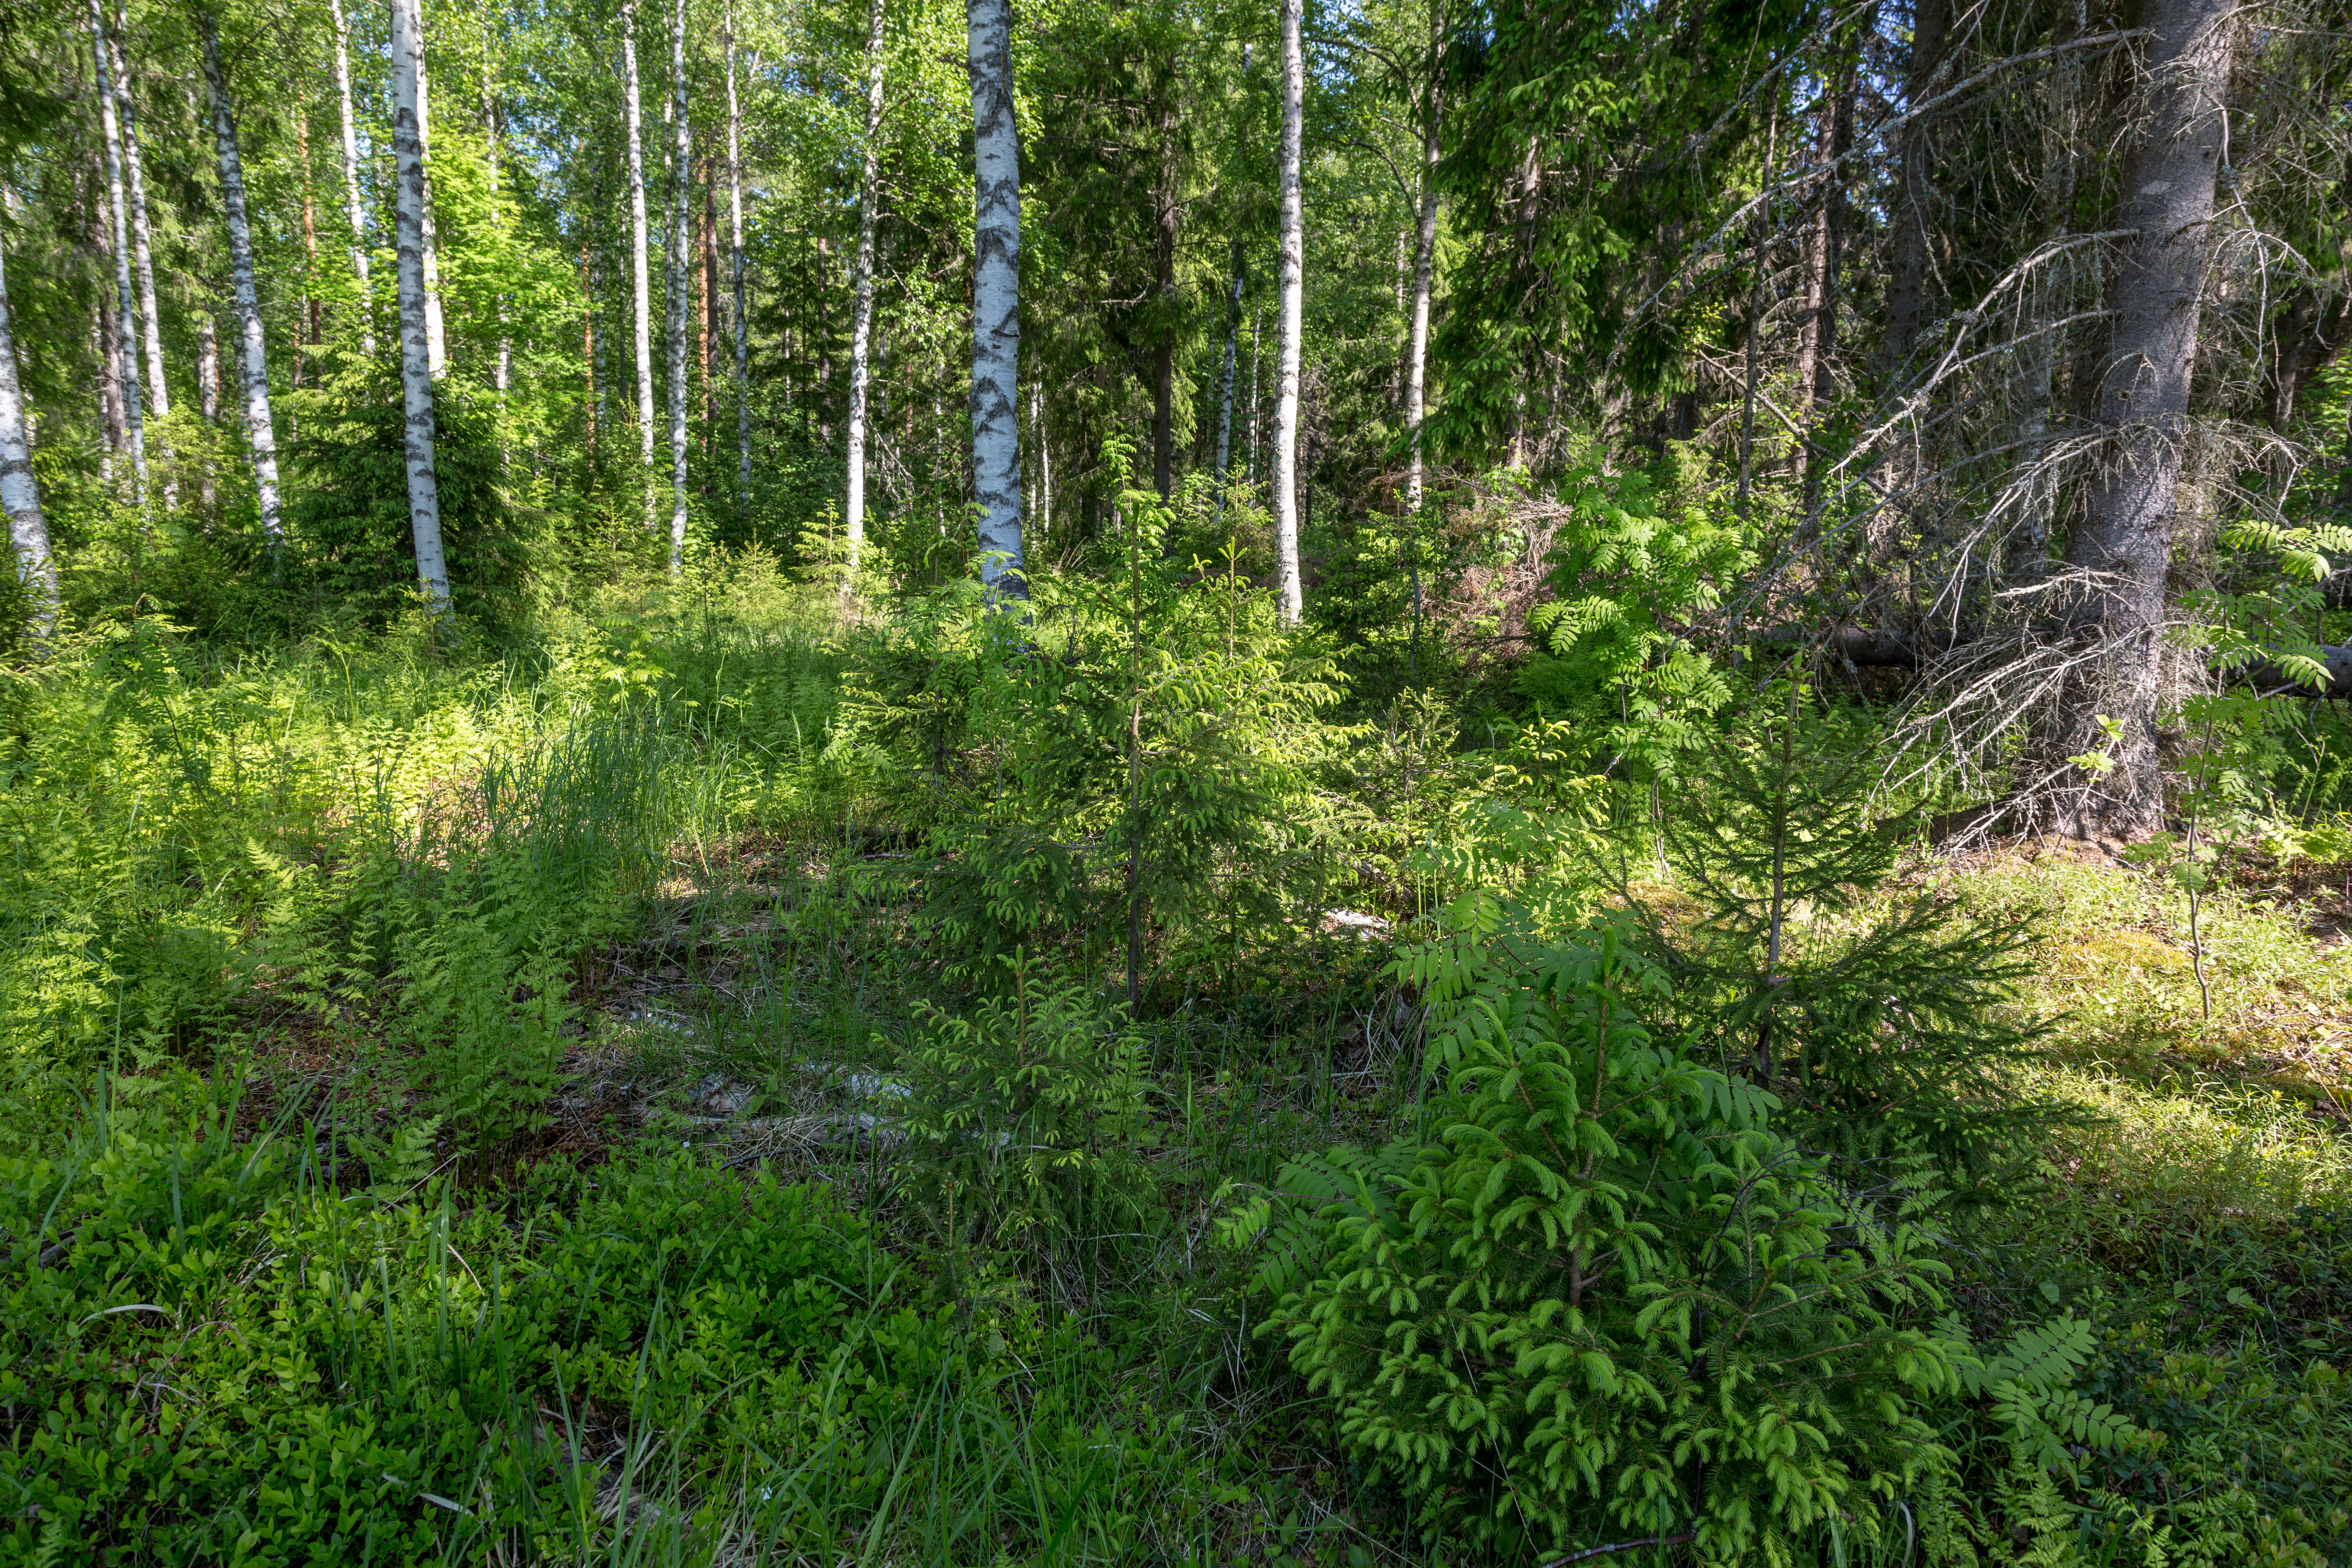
(1881, 648)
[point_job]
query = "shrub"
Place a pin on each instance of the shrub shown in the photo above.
(1022, 1119)
(1609, 1297)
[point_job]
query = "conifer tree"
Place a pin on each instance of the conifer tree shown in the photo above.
(1881, 1015)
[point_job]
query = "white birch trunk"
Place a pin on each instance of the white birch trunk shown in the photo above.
(743, 325)
(1225, 382)
(861, 321)
(630, 102)
(352, 175)
(1291, 590)
(679, 287)
(126, 307)
(416, 350)
(1424, 255)
(20, 493)
(259, 435)
(207, 395)
(996, 298)
(143, 252)
(437, 339)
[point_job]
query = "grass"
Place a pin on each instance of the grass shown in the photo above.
(450, 1116)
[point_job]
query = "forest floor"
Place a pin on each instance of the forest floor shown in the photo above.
(267, 1300)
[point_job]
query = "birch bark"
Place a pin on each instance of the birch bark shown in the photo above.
(20, 493)
(630, 101)
(735, 246)
(260, 437)
(680, 288)
(1424, 260)
(126, 307)
(2123, 543)
(142, 250)
(996, 298)
(861, 323)
(415, 347)
(1291, 284)
(351, 174)
(436, 337)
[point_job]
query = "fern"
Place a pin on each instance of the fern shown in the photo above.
(2027, 1382)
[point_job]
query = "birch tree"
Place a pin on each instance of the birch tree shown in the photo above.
(143, 252)
(996, 297)
(20, 493)
(415, 351)
(436, 337)
(679, 290)
(126, 307)
(742, 323)
(351, 174)
(1291, 284)
(639, 271)
(260, 437)
(861, 324)
(1425, 255)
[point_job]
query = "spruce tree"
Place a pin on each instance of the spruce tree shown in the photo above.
(1883, 1014)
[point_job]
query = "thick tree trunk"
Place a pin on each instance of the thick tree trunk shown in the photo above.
(2123, 541)
(126, 303)
(680, 287)
(20, 493)
(351, 174)
(861, 321)
(415, 348)
(995, 299)
(259, 435)
(1291, 283)
(1227, 377)
(639, 270)
(142, 250)
(735, 247)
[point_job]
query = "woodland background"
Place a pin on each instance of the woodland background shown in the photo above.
(1600, 814)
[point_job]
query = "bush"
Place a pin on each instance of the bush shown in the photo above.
(1609, 1297)
(1023, 1119)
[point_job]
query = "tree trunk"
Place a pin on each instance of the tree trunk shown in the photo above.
(639, 272)
(351, 174)
(415, 347)
(1226, 379)
(20, 493)
(1291, 283)
(258, 433)
(1167, 218)
(680, 287)
(126, 305)
(436, 339)
(995, 299)
(2123, 541)
(735, 247)
(1906, 287)
(207, 396)
(1424, 258)
(142, 251)
(861, 320)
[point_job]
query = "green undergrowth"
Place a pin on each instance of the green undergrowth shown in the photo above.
(705, 1083)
